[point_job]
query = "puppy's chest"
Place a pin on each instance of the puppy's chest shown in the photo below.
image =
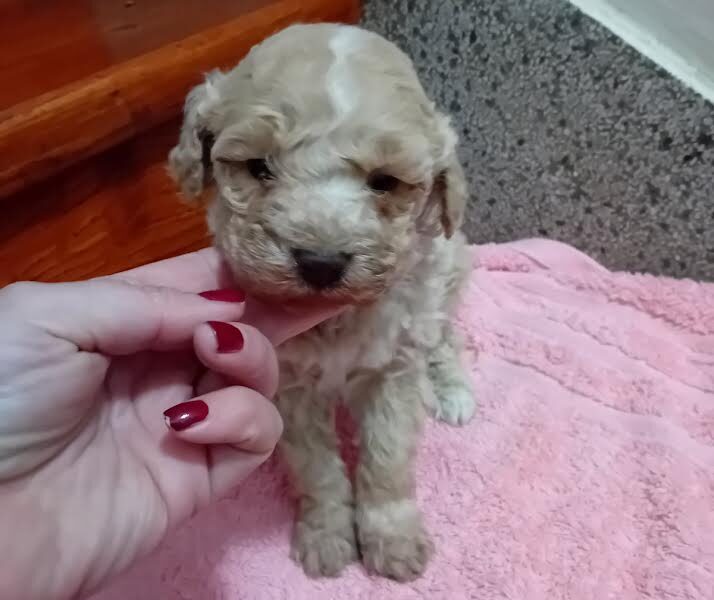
(330, 357)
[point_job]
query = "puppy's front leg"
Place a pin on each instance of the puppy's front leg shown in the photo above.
(391, 535)
(324, 538)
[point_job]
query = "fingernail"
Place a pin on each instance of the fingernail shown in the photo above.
(183, 415)
(228, 338)
(225, 295)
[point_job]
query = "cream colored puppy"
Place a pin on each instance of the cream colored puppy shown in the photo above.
(336, 180)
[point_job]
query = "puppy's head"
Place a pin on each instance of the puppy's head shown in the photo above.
(329, 163)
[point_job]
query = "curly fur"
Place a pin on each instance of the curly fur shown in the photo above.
(327, 105)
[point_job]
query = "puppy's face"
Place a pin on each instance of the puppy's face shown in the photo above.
(329, 163)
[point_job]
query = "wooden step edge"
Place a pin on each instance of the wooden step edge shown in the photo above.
(42, 136)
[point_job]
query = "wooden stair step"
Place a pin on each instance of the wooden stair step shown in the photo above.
(115, 211)
(47, 45)
(83, 162)
(41, 135)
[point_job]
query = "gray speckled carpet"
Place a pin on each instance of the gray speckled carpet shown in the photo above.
(566, 131)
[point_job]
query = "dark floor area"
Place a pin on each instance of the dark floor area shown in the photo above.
(566, 131)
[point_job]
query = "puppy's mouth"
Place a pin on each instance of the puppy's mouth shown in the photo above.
(310, 277)
(291, 287)
(300, 295)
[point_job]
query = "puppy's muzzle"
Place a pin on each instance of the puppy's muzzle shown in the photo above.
(321, 270)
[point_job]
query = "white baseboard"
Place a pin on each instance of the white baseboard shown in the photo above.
(676, 34)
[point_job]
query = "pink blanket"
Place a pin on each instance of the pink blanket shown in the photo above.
(588, 472)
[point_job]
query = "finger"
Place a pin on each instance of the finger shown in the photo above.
(115, 317)
(192, 272)
(280, 323)
(240, 426)
(240, 353)
(228, 467)
(206, 269)
(235, 415)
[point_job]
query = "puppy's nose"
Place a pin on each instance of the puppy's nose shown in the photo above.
(320, 270)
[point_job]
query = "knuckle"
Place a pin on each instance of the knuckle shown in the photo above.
(279, 426)
(251, 434)
(263, 427)
(19, 295)
(268, 364)
(158, 296)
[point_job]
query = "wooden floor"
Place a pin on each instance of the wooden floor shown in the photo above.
(92, 112)
(112, 212)
(50, 43)
(43, 134)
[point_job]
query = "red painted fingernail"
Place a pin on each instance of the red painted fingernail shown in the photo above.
(228, 337)
(225, 295)
(183, 415)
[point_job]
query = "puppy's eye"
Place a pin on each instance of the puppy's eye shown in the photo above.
(207, 140)
(382, 183)
(259, 169)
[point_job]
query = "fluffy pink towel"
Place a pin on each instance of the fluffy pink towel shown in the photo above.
(588, 472)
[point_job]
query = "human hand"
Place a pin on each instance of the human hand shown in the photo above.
(91, 477)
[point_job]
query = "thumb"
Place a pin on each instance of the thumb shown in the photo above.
(279, 323)
(116, 317)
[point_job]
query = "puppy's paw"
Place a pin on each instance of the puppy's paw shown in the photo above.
(398, 549)
(323, 552)
(455, 404)
(401, 556)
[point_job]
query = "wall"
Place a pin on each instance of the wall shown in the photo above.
(677, 35)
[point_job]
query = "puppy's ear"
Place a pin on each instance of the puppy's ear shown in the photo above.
(444, 208)
(190, 160)
(450, 194)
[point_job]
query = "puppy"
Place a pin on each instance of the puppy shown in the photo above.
(336, 180)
